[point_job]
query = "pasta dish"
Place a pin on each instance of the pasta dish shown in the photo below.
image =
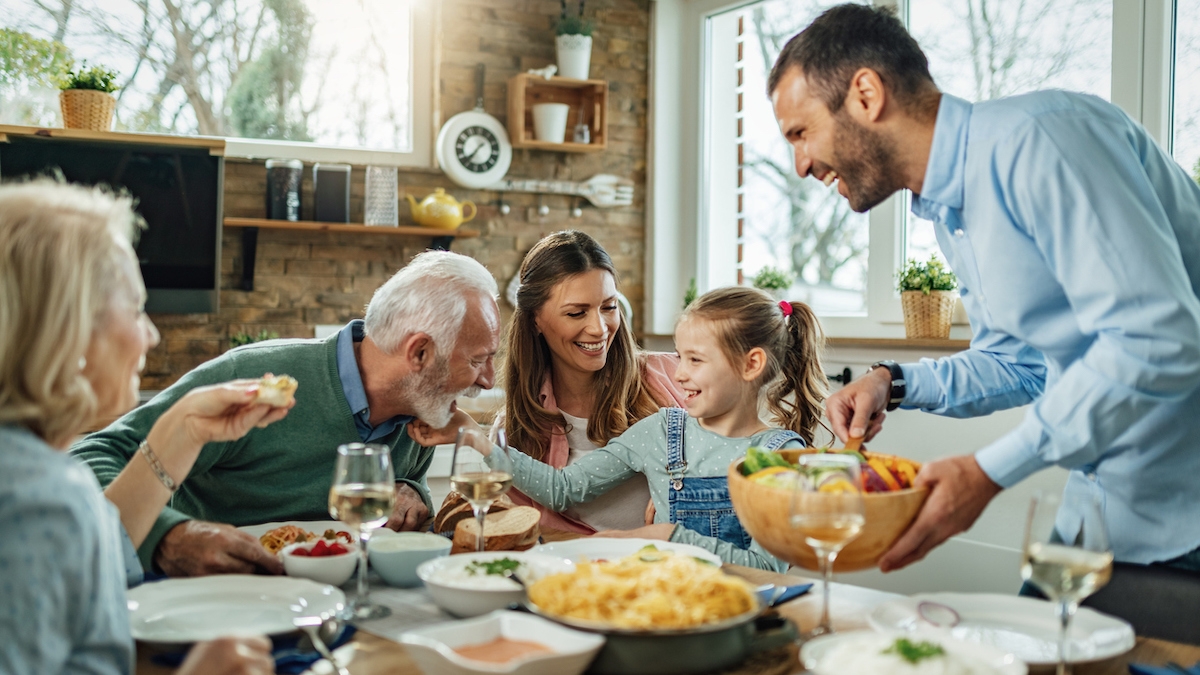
(279, 538)
(649, 589)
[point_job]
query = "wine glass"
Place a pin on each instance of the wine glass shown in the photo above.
(482, 471)
(1066, 571)
(363, 495)
(828, 510)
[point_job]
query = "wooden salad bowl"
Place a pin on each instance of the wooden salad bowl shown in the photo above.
(763, 511)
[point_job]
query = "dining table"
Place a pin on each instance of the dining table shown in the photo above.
(375, 655)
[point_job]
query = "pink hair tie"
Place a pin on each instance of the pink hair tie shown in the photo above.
(786, 307)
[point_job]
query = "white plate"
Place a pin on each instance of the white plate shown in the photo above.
(203, 608)
(814, 652)
(611, 548)
(1019, 625)
(317, 526)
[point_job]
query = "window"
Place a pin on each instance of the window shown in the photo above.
(1186, 132)
(311, 73)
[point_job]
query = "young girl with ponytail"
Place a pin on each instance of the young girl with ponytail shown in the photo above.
(733, 344)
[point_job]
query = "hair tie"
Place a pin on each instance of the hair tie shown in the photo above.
(786, 307)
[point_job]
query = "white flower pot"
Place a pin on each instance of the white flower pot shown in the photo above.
(550, 121)
(574, 55)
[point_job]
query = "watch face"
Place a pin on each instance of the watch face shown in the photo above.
(477, 149)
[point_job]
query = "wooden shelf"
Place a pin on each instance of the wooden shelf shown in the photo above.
(588, 100)
(441, 239)
(215, 146)
(313, 226)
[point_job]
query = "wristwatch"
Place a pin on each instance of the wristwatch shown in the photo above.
(899, 386)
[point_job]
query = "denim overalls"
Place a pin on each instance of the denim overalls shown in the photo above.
(702, 504)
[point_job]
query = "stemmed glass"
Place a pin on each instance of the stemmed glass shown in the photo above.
(1066, 572)
(482, 471)
(363, 495)
(827, 509)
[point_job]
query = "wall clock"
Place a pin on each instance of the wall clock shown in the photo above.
(473, 147)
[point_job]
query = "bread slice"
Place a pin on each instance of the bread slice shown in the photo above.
(276, 390)
(514, 529)
(455, 508)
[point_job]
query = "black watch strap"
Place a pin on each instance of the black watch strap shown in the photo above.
(899, 386)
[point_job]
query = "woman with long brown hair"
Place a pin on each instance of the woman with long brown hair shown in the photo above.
(573, 376)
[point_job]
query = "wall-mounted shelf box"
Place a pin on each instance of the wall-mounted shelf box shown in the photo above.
(588, 100)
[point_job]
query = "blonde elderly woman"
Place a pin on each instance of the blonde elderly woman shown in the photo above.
(73, 338)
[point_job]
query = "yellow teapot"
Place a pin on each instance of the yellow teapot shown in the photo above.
(440, 210)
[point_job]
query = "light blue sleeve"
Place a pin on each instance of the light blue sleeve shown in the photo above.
(592, 475)
(134, 573)
(1096, 218)
(755, 556)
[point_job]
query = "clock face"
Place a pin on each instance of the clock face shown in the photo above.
(477, 149)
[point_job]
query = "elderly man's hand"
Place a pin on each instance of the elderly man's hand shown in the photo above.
(410, 512)
(196, 548)
(958, 492)
(230, 656)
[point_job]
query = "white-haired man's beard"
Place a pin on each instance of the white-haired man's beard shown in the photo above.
(426, 391)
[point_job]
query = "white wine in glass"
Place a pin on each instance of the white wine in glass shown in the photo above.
(482, 471)
(827, 509)
(363, 495)
(1066, 572)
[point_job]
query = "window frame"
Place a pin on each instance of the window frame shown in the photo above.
(682, 162)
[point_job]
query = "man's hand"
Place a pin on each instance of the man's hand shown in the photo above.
(230, 656)
(410, 512)
(856, 410)
(427, 436)
(196, 548)
(958, 492)
(661, 531)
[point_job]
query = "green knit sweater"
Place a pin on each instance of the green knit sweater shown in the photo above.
(282, 472)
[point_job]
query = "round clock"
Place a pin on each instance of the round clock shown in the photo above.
(473, 149)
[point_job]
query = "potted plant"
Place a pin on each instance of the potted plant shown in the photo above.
(927, 295)
(773, 280)
(86, 98)
(573, 46)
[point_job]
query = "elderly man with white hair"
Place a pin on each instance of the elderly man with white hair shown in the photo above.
(430, 335)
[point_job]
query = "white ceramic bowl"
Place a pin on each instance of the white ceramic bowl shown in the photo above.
(433, 648)
(457, 591)
(331, 569)
(817, 655)
(396, 555)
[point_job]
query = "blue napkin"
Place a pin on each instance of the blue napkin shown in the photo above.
(1144, 669)
(288, 659)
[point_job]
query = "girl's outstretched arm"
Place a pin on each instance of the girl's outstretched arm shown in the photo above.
(558, 489)
(755, 556)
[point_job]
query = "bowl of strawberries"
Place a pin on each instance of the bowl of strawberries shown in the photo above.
(328, 561)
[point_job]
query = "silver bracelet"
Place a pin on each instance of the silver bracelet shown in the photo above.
(157, 467)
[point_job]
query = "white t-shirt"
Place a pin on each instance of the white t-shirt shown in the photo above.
(623, 507)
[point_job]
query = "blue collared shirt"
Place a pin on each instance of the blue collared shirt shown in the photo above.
(1076, 241)
(352, 386)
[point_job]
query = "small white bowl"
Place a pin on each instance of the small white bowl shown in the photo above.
(815, 654)
(433, 648)
(396, 555)
(331, 569)
(462, 594)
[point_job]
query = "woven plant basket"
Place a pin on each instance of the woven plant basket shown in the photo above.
(927, 316)
(87, 109)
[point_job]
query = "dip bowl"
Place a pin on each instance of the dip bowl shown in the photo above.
(396, 555)
(433, 648)
(460, 584)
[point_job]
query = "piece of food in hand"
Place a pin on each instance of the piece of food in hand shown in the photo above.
(514, 529)
(276, 390)
(455, 509)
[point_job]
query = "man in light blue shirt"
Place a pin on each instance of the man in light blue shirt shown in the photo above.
(1076, 240)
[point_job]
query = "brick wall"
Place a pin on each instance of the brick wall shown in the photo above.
(303, 278)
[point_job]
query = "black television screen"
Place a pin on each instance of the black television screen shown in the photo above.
(178, 191)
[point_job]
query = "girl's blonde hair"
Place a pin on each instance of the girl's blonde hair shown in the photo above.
(745, 318)
(622, 398)
(61, 249)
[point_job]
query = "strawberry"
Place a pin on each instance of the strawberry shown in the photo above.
(337, 549)
(303, 553)
(321, 549)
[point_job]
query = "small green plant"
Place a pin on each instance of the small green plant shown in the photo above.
(689, 296)
(239, 339)
(572, 25)
(772, 279)
(96, 77)
(926, 277)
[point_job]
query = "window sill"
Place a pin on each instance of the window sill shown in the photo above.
(898, 343)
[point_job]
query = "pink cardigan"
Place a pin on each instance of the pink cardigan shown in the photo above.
(658, 374)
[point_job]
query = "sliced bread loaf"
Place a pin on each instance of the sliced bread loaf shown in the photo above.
(514, 529)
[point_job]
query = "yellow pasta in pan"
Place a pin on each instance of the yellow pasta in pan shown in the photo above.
(649, 589)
